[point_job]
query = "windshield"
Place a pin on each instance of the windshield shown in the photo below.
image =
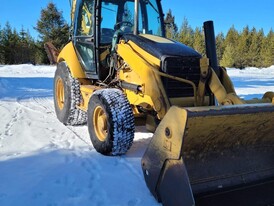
(116, 13)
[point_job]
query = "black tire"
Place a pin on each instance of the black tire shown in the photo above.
(69, 89)
(115, 134)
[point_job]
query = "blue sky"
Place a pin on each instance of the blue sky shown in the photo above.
(224, 13)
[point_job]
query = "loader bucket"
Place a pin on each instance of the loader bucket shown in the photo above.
(213, 156)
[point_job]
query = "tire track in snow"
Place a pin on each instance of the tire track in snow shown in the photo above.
(41, 105)
(45, 103)
(47, 106)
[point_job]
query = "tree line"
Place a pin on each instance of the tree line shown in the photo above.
(247, 48)
(17, 47)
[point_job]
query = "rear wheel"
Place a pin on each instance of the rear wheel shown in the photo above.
(110, 122)
(67, 96)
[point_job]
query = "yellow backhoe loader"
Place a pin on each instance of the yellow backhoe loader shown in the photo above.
(210, 147)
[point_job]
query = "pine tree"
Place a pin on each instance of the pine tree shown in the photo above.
(242, 49)
(9, 44)
(220, 46)
(232, 37)
(199, 41)
(267, 51)
(22, 48)
(170, 26)
(16, 48)
(254, 57)
(229, 56)
(32, 47)
(52, 28)
(186, 34)
(26, 48)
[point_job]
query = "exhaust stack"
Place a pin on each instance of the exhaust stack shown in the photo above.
(211, 46)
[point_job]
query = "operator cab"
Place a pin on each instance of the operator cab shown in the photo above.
(99, 24)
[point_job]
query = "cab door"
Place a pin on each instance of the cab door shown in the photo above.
(83, 38)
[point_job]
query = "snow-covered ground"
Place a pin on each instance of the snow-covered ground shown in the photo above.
(44, 163)
(252, 82)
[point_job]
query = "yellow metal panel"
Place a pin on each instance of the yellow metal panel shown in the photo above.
(140, 71)
(68, 55)
(142, 53)
(142, 100)
(87, 91)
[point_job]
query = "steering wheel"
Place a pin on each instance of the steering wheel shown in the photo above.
(124, 23)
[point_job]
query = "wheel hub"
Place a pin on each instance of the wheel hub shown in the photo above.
(100, 123)
(60, 93)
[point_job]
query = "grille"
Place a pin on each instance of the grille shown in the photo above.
(184, 67)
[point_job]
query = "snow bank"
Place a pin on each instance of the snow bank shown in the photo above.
(252, 72)
(26, 70)
(252, 82)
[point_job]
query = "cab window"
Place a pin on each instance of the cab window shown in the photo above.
(108, 20)
(85, 23)
(84, 39)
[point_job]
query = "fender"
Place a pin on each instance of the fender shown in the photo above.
(68, 55)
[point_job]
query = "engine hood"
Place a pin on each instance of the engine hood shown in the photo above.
(161, 47)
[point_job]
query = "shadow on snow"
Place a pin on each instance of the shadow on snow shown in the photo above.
(25, 88)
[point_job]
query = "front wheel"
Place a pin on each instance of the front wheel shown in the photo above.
(110, 122)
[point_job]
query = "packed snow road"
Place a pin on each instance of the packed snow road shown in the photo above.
(43, 162)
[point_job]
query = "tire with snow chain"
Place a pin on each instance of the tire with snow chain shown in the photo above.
(110, 122)
(67, 96)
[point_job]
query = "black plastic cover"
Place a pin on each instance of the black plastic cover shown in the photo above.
(159, 49)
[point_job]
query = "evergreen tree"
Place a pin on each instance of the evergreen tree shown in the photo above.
(254, 57)
(229, 56)
(21, 48)
(9, 42)
(267, 51)
(242, 49)
(52, 28)
(26, 47)
(220, 46)
(16, 48)
(170, 26)
(186, 34)
(232, 37)
(199, 41)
